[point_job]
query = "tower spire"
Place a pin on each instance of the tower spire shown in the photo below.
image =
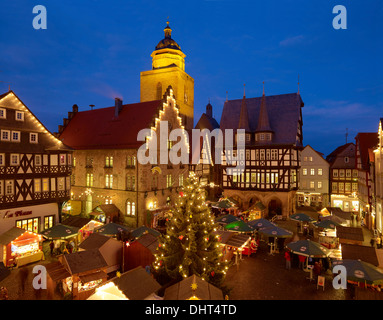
(243, 122)
(168, 30)
(298, 84)
(263, 120)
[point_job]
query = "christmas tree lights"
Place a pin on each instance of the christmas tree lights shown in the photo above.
(190, 245)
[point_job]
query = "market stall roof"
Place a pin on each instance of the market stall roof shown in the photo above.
(335, 211)
(193, 287)
(364, 253)
(275, 231)
(93, 276)
(112, 229)
(238, 240)
(260, 223)
(227, 218)
(223, 204)
(143, 230)
(308, 248)
(107, 209)
(57, 271)
(10, 235)
(223, 235)
(82, 261)
(336, 219)
(59, 231)
(136, 284)
(149, 241)
(108, 291)
(350, 233)
(94, 241)
(258, 206)
(302, 217)
(326, 224)
(361, 271)
(232, 239)
(239, 226)
(78, 222)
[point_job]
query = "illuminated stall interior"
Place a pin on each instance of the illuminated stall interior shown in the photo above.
(20, 247)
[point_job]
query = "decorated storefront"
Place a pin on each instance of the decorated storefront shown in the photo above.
(32, 218)
(20, 247)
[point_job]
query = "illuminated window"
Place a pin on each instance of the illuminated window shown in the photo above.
(109, 162)
(38, 160)
(15, 136)
(33, 137)
(9, 189)
(304, 171)
(19, 116)
(48, 222)
(319, 184)
(3, 113)
(45, 185)
(15, 159)
(37, 185)
(89, 179)
(62, 159)
(5, 135)
(109, 181)
(312, 171)
(2, 159)
(320, 171)
(61, 184)
(181, 180)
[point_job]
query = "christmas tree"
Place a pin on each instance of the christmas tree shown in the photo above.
(190, 245)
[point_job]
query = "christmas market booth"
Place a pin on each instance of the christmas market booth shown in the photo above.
(140, 252)
(234, 244)
(79, 273)
(86, 226)
(60, 234)
(257, 211)
(193, 288)
(327, 233)
(114, 230)
(109, 248)
(106, 213)
(19, 247)
(134, 284)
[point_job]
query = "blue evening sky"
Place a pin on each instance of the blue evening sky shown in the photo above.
(94, 50)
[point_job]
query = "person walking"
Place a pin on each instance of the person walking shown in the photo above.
(288, 260)
(23, 276)
(372, 242)
(378, 242)
(51, 246)
(302, 260)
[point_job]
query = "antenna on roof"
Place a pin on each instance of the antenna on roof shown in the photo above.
(91, 106)
(346, 134)
(226, 95)
(298, 83)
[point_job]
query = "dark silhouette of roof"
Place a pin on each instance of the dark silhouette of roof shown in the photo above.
(283, 112)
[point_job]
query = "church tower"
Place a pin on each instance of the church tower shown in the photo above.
(168, 68)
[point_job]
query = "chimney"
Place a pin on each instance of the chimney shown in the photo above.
(117, 107)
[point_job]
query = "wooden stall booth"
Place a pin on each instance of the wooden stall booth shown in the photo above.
(20, 247)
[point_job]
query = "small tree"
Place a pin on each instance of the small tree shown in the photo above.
(190, 245)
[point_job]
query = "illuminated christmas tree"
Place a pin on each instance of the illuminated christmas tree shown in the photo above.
(190, 245)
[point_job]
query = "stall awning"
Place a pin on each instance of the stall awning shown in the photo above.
(93, 276)
(57, 271)
(238, 241)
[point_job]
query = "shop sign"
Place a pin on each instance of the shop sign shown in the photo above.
(18, 213)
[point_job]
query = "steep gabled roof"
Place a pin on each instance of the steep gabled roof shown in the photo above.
(365, 141)
(99, 129)
(283, 112)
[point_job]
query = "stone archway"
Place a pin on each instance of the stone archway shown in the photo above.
(274, 207)
(253, 200)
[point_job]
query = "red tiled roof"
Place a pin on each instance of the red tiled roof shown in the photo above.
(366, 140)
(99, 129)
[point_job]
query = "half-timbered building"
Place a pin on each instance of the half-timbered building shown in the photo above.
(273, 141)
(35, 169)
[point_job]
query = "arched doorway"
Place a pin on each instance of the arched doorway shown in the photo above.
(253, 201)
(274, 207)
